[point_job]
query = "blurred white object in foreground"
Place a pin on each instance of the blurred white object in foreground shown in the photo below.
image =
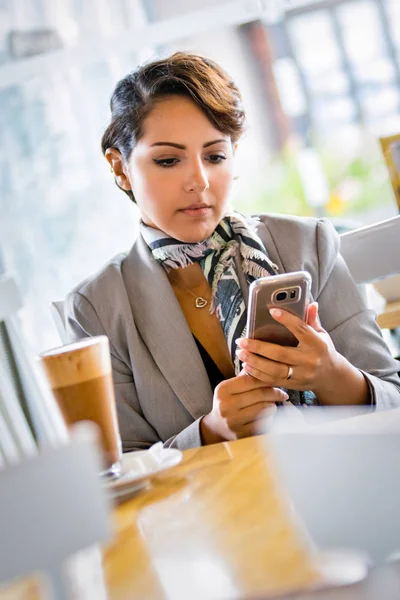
(344, 483)
(335, 419)
(52, 506)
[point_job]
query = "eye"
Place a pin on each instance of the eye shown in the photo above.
(216, 158)
(166, 162)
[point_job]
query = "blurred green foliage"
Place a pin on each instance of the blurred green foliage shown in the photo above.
(355, 171)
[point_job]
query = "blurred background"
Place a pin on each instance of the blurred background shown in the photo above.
(320, 81)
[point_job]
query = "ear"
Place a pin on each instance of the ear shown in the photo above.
(117, 166)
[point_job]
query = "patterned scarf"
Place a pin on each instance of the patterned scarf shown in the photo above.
(216, 256)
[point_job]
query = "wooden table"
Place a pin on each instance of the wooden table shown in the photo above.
(215, 527)
(212, 527)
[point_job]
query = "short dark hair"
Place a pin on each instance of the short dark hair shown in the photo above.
(181, 74)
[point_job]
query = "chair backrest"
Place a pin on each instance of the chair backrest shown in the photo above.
(57, 311)
(52, 506)
(372, 252)
(10, 299)
(24, 394)
(16, 437)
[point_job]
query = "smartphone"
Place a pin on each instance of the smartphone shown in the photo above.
(290, 292)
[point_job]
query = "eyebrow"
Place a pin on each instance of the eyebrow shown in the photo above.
(182, 147)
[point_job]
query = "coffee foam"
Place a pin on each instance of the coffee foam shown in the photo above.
(80, 361)
(83, 343)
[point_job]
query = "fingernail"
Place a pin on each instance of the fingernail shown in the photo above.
(285, 396)
(275, 312)
(242, 342)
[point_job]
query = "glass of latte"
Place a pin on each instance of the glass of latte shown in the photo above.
(80, 377)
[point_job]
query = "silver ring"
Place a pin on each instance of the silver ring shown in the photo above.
(289, 373)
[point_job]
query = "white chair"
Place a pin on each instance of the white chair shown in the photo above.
(52, 506)
(21, 382)
(8, 448)
(57, 311)
(16, 437)
(372, 252)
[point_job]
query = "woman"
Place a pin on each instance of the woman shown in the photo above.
(174, 306)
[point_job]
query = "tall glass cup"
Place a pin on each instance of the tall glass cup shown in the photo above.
(80, 377)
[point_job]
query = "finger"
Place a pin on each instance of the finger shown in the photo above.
(275, 352)
(260, 375)
(268, 380)
(252, 413)
(240, 384)
(290, 384)
(313, 318)
(300, 329)
(274, 370)
(258, 426)
(270, 395)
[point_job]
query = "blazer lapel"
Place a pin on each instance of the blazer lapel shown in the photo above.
(270, 246)
(272, 250)
(164, 329)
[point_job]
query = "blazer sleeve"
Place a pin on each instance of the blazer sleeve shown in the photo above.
(351, 325)
(81, 321)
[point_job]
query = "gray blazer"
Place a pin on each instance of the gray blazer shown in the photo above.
(162, 388)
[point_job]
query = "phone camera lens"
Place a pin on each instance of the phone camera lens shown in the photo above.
(293, 294)
(281, 296)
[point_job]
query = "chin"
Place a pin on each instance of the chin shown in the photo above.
(192, 231)
(194, 234)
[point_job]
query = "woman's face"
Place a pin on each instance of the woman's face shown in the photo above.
(181, 170)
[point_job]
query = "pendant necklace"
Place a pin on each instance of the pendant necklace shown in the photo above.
(199, 301)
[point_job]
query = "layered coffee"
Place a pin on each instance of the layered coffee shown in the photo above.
(81, 380)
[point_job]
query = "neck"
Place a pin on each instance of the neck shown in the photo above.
(191, 277)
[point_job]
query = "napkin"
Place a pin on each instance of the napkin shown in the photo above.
(145, 462)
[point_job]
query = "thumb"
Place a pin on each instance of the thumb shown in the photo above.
(313, 318)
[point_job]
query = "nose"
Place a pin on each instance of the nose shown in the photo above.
(197, 179)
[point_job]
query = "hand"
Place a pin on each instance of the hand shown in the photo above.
(314, 362)
(238, 406)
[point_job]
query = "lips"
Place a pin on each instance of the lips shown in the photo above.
(198, 209)
(196, 206)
